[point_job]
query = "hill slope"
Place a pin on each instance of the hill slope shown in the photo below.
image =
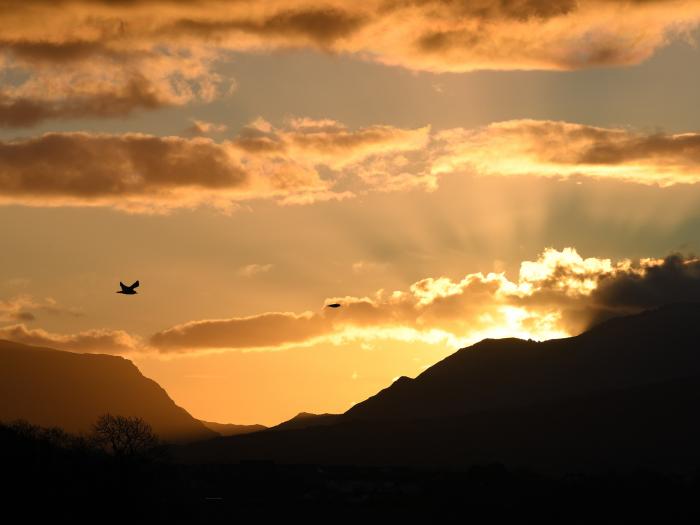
(53, 388)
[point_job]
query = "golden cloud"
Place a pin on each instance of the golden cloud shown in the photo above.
(146, 173)
(562, 149)
(90, 341)
(98, 51)
(307, 161)
(558, 294)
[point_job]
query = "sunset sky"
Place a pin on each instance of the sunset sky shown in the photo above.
(447, 170)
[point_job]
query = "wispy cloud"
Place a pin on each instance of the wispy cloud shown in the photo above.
(251, 270)
(26, 308)
(202, 128)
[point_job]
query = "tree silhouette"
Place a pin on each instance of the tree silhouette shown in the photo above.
(124, 435)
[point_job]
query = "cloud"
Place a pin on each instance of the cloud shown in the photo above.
(675, 279)
(16, 309)
(28, 110)
(271, 329)
(558, 294)
(96, 49)
(201, 128)
(307, 161)
(26, 308)
(562, 149)
(251, 270)
(90, 341)
(71, 80)
(360, 267)
(329, 142)
(147, 173)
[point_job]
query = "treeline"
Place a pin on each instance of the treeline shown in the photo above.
(120, 465)
(49, 473)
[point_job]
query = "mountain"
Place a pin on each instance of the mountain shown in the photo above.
(301, 420)
(650, 347)
(624, 394)
(54, 388)
(229, 429)
(306, 420)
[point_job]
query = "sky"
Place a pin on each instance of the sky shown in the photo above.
(446, 170)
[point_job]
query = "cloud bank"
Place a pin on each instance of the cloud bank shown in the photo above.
(104, 58)
(307, 161)
(147, 173)
(558, 294)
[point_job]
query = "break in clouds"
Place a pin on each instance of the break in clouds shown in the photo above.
(306, 161)
(559, 294)
(105, 59)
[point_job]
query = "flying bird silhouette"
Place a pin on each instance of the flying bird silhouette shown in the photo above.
(333, 305)
(128, 290)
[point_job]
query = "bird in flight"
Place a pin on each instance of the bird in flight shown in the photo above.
(333, 305)
(128, 290)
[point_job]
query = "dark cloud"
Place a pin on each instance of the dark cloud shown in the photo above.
(319, 25)
(676, 279)
(23, 316)
(45, 51)
(93, 166)
(612, 150)
(137, 94)
(493, 9)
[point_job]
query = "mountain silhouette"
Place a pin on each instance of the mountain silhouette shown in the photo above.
(623, 394)
(55, 388)
(307, 420)
(230, 429)
(502, 373)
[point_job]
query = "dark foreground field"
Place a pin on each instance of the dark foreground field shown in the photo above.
(51, 475)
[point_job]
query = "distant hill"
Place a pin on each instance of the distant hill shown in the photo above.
(306, 420)
(54, 388)
(229, 429)
(622, 394)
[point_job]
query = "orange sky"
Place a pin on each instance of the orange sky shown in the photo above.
(447, 171)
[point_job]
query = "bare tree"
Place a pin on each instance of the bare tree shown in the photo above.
(124, 436)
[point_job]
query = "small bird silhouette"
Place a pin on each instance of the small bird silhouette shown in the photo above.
(333, 305)
(128, 290)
